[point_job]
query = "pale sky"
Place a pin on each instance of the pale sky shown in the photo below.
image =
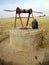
(37, 5)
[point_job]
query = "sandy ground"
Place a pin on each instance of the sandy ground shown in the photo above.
(28, 57)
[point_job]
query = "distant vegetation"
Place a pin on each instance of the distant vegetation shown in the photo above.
(42, 15)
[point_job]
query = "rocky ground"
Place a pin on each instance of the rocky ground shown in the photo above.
(11, 56)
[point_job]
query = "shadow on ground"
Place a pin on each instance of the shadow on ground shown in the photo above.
(2, 62)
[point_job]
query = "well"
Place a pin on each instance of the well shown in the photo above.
(23, 39)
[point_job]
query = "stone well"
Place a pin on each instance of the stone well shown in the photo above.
(23, 39)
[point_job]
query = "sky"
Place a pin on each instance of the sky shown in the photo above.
(37, 5)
